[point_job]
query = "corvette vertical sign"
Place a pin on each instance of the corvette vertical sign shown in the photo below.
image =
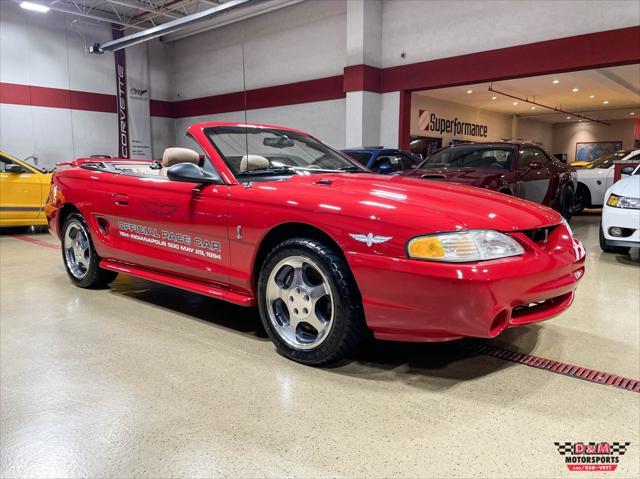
(121, 94)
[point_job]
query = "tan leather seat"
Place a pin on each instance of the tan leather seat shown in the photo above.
(251, 162)
(174, 155)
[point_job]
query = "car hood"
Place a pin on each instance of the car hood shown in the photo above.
(627, 187)
(414, 203)
(467, 176)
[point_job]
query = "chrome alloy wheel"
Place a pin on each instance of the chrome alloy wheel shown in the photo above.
(77, 250)
(300, 302)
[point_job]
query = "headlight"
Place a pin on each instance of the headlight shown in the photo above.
(623, 202)
(462, 246)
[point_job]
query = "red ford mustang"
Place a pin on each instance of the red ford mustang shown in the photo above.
(272, 217)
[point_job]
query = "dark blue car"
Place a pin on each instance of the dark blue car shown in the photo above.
(384, 160)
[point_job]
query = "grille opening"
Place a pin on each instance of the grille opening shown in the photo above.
(534, 307)
(539, 235)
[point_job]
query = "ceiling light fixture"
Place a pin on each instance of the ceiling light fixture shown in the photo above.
(34, 7)
(555, 82)
(575, 90)
(469, 91)
(568, 118)
(494, 97)
(533, 107)
(553, 108)
(606, 102)
(592, 96)
(632, 113)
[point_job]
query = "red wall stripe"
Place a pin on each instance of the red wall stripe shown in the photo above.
(281, 95)
(16, 94)
(594, 50)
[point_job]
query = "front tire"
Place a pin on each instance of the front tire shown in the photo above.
(607, 248)
(79, 256)
(309, 303)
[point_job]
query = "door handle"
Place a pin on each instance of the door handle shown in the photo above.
(120, 199)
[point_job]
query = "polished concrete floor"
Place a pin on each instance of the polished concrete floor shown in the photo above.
(144, 380)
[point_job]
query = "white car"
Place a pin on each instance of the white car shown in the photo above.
(620, 226)
(596, 177)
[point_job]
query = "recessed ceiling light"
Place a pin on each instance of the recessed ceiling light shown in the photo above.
(469, 91)
(494, 97)
(568, 118)
(575, 90)
(606, 102)
(533, 107)
(515, 103)
(34, 7)
(632, 113)
(579, 120)
(592, 96)
(555, 82)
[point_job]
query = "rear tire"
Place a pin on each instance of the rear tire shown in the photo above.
(309, 303)
(79, 256)
(566, 203)
(607, 248)
(581, 200)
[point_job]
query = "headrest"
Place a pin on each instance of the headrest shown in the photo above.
(173, 156)
(251, 162)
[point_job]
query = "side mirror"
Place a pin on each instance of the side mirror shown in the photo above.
(13, 168)
(535, 165)
(190, 173)
(627, 170)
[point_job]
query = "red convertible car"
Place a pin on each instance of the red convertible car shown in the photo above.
(519, 169)
(327, 250)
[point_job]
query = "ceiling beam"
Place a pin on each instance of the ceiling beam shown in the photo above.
(137, 6)
(93, 16)
(169, 27)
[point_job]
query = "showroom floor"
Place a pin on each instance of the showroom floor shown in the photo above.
(145, 380)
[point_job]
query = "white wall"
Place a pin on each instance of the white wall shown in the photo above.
(566, 135)
(310, 117)
(428, 30)
(303, 42)
(49, 51)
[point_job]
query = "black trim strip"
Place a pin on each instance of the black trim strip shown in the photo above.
(21, 208)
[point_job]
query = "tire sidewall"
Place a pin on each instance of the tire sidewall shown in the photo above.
(345, 307)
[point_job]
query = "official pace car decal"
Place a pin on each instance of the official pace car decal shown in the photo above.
(172, 240)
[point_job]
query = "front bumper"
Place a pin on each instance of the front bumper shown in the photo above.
(621, 218)
(432, 301)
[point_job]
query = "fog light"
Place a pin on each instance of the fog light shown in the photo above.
(615, 231)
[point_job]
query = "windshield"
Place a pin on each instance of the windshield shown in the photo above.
(471, 156)
(263, 151)
(607, 160)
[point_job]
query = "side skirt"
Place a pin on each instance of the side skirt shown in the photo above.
(194, 287)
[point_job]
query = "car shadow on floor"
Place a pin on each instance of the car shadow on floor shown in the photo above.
(433, 366)
(430, 365)
(245, 321)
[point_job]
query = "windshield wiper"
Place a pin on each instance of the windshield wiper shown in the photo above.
(266, 170)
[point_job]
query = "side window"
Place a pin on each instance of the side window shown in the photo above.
(388, 162)
(360, 156)
(529, 155)
(407, 162)
(6, 161)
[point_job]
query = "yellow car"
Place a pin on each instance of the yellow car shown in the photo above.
(23, 192)
(579, 164)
